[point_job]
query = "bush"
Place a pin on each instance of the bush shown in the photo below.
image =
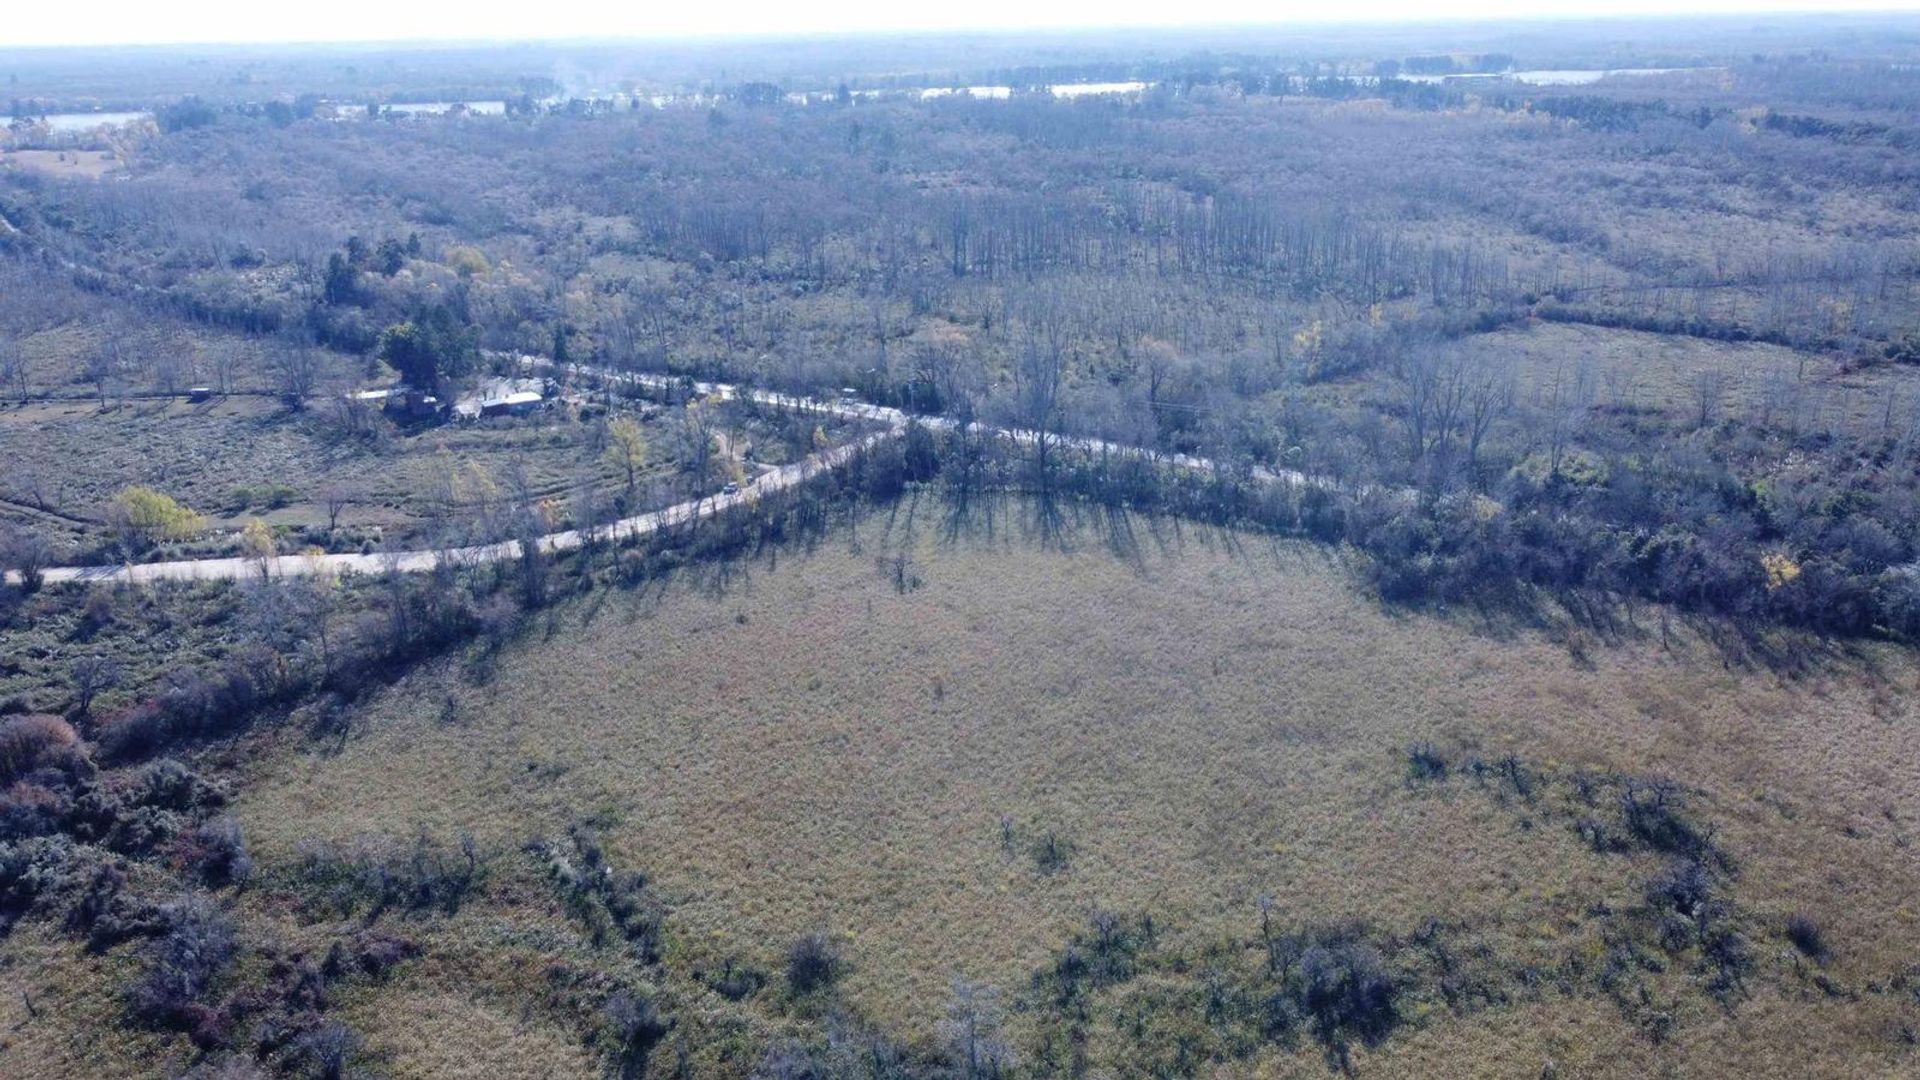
(813, 963)
(610, 903)
(29, 870)
(26, 740)
(323, 1052)
(1346, 992)
(1653, 812)
(735, 981)
(377, 875)
(634, 1027)
(182, 966)
(1684, 887)
(1425, 762)
(216, 853)
(1806, 935)
(370, 954)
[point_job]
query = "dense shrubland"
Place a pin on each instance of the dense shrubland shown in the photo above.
(1295, 297)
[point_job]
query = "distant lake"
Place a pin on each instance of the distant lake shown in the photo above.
(1074, 90)
(1550, 77)
(429, 108)
(92, 121)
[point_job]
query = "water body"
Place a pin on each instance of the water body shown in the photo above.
(1551, 77)
(428, 108)
(92, 121)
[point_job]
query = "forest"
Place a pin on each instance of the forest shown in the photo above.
(1607, 334)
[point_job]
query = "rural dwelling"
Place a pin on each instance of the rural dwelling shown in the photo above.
(502, 397)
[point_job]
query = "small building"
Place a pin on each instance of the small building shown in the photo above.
(411, 403)
(502, 397)
(518, 403)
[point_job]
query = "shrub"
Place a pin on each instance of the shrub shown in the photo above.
(1346, 992)
(813, 963)
(634, 1027)
(144, 514)
(169, 785)
(227, 1068)
(370, 954)
(216, 853)
(1806, 935)
(29, 870)
(1684, 887)
(377, 875)
(1425, 762)
(735, 981)
(323, 1052)
(1654, 816)
(1052, 852)
(182, 966)
(609, 903)
(26, 740)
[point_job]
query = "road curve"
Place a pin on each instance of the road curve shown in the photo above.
(235, 568)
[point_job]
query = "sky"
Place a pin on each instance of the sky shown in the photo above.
(157, 22)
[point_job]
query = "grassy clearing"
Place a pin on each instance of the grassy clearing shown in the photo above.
(803, 745)
(241, 457)
(82, 164)
(1666, 373)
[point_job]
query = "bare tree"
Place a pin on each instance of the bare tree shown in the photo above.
(26, 553)
(295, 366)
(335, 497)
(1709, 386)
(91, 676)
(973, 1032)
(15, 372)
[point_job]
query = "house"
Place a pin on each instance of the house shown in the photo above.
(502, 397)
(518, 403)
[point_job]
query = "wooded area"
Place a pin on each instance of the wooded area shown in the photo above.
(1610, 338)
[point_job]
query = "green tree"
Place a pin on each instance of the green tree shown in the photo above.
(627, 448)
(391, 257)
(430, 349)
(144, 516)
(340, 286)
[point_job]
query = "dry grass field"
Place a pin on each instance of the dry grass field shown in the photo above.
(82, 164)
(1667, 373)
(235, 458)
(814, 743)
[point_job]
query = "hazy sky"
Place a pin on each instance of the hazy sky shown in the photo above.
(37, 22)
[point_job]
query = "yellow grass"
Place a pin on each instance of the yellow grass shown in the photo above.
(808, 748)
(83, 164)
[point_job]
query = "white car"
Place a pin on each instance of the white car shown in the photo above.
(731, 489)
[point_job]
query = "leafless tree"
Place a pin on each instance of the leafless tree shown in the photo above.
(973, 1032)
(295, 367)
(15, 372)
(26, 553)
(91, 676)
(335, 497)
(1709, 388)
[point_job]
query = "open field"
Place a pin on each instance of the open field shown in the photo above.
(1669, 374)
(83, 164)
(237, 458)
(806, 746)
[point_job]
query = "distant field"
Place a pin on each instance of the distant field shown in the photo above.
(1668, 373)
(85, 164)
(819, 744)
(241, 457)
